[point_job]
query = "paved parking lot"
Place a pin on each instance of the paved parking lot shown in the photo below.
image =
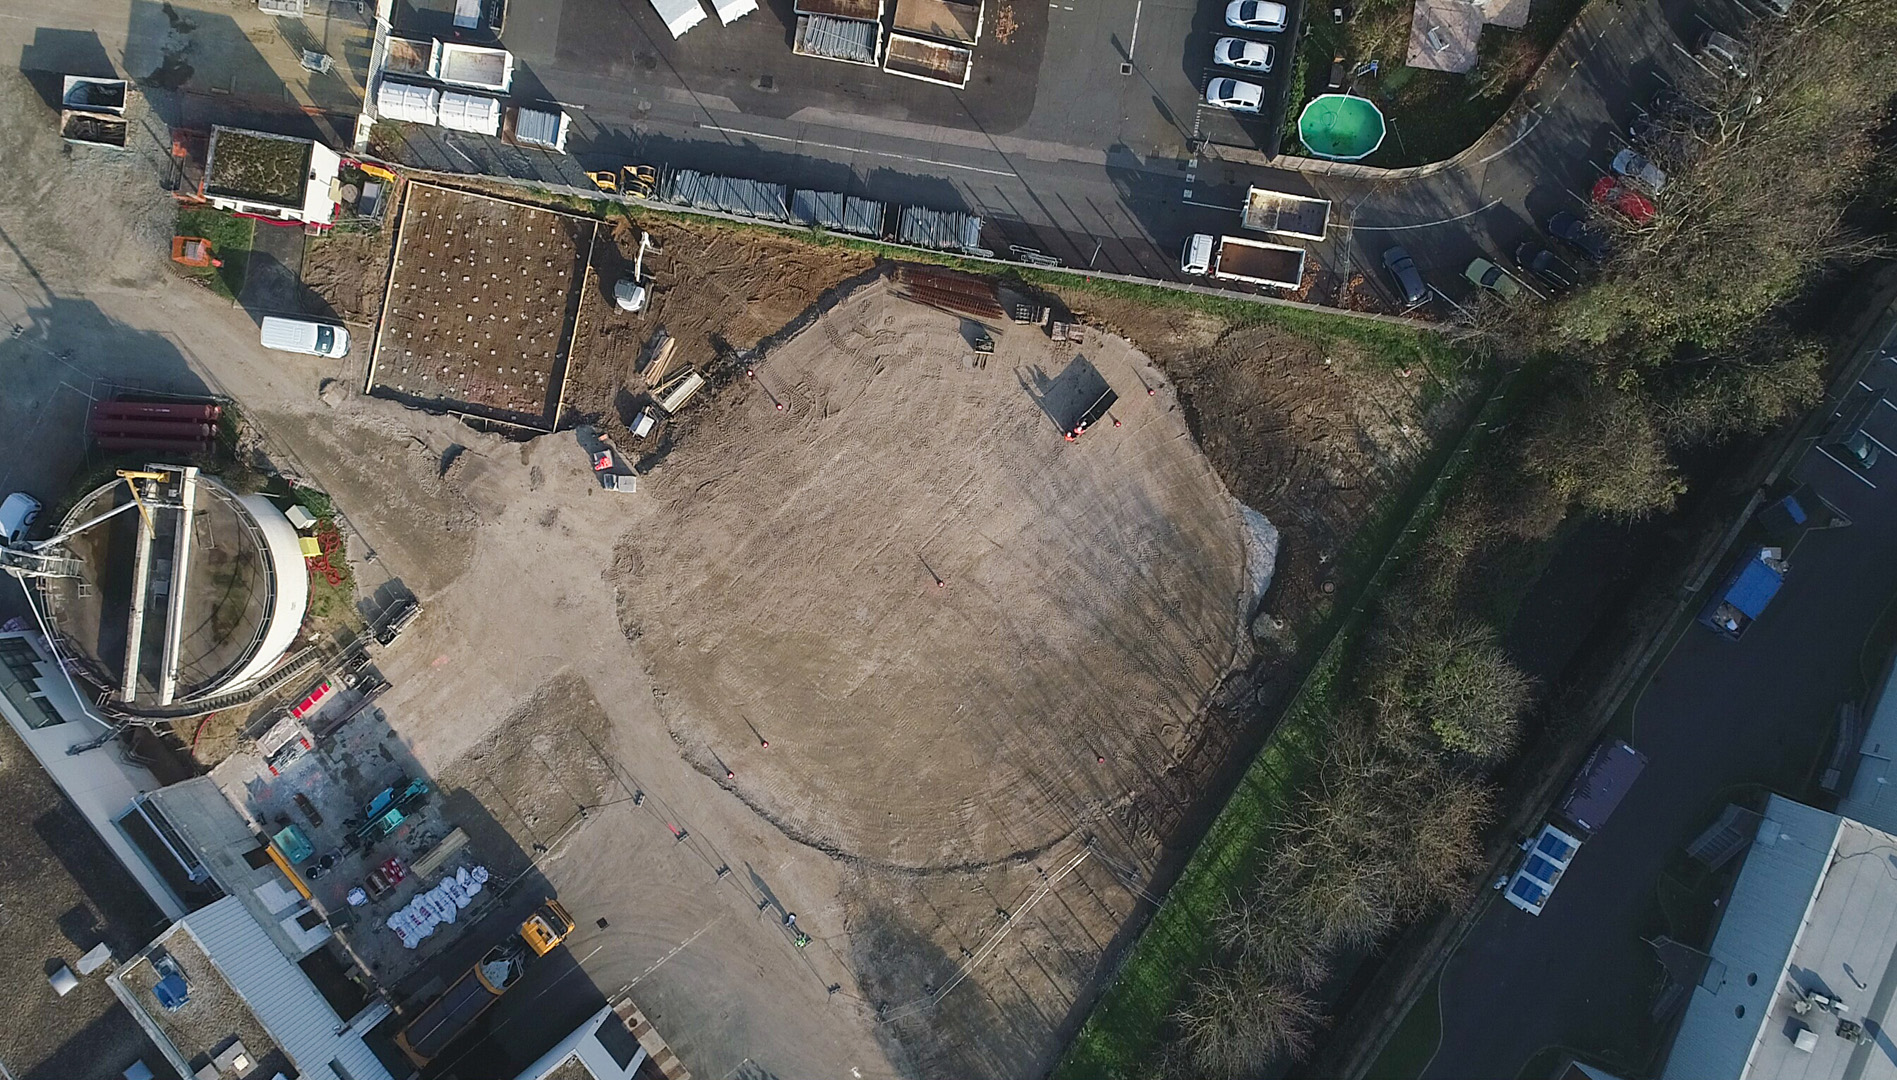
(1715, 715)
(1057, 78)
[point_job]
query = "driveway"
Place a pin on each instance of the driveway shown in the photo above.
(1716, 714)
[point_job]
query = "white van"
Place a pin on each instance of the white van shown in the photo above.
(17, 514)
(305, 336)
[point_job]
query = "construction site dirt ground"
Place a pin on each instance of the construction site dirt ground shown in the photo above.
(716, 289)
(914, 817)
(481, 305)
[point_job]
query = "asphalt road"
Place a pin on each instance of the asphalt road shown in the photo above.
(1717, 714)
(1059, 152)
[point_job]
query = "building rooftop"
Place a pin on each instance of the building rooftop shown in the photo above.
(603, 1048)
(1814, 912)
(234, 853)
(214, 980)
(63, 893)
(257, 166)
(212, 1016)
(1872, 796)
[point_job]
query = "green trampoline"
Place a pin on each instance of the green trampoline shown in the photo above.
(1341, 127)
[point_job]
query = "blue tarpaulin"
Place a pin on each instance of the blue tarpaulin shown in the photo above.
(1755, 587)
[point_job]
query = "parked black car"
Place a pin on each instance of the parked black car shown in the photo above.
(1587, 239)
(1409, 280)
(1550, 269)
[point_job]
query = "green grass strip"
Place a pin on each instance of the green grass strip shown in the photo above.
(230, 238)
(1120, 1037)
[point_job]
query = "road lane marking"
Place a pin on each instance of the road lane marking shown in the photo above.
(854, 150)
(1211, 206)
(1858, 475)
(1525, 132)
(1420, 224)
(676, 949)
(1876, 441)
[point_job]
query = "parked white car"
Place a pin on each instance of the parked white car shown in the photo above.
(1725, 53)
(17, 514)
(1265, 16)
(1235, 95)
(1239, 53)
(304, 336)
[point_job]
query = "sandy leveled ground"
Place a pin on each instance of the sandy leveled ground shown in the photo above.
(787, 591)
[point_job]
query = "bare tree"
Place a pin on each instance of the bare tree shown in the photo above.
(1599, 447)
(1444, 841)
(1237, 1021)
(1759, 168)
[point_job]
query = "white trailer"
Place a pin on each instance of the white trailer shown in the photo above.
(1282, 212)
(679, 15)
(472, 65)
(730, 11)
(1237, 258)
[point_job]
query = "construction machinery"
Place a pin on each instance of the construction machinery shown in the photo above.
(630, 294)
(450, 1016)
(634, 181)
(547, 927)
(193, 251)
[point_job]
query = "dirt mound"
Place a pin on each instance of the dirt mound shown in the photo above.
(940, 615)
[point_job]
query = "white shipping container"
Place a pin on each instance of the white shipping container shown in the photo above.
(407, 103)
(475, 113)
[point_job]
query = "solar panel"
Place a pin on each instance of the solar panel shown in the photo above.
(1555, 848)
(1529, 891)
(1541, 868)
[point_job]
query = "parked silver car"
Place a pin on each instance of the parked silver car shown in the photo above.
(1239, 53)
(1266, 16)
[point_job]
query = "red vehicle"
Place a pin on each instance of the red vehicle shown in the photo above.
(1637, 208)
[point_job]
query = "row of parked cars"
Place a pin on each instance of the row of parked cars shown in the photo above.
(1533, 258)
(1245, 54)
(1670, 125)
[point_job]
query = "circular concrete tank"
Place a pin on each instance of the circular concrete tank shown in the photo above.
(223, 597)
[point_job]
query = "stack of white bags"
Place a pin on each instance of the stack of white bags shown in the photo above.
(438, 905)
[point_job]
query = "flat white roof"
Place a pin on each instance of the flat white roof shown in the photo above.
(1814, 912)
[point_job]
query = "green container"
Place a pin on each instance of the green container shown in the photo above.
(1341, 127)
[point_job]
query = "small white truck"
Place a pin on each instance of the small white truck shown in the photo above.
(1236, 258)
(1282, 212)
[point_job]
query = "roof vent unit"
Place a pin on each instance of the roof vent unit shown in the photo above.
(171, 990)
